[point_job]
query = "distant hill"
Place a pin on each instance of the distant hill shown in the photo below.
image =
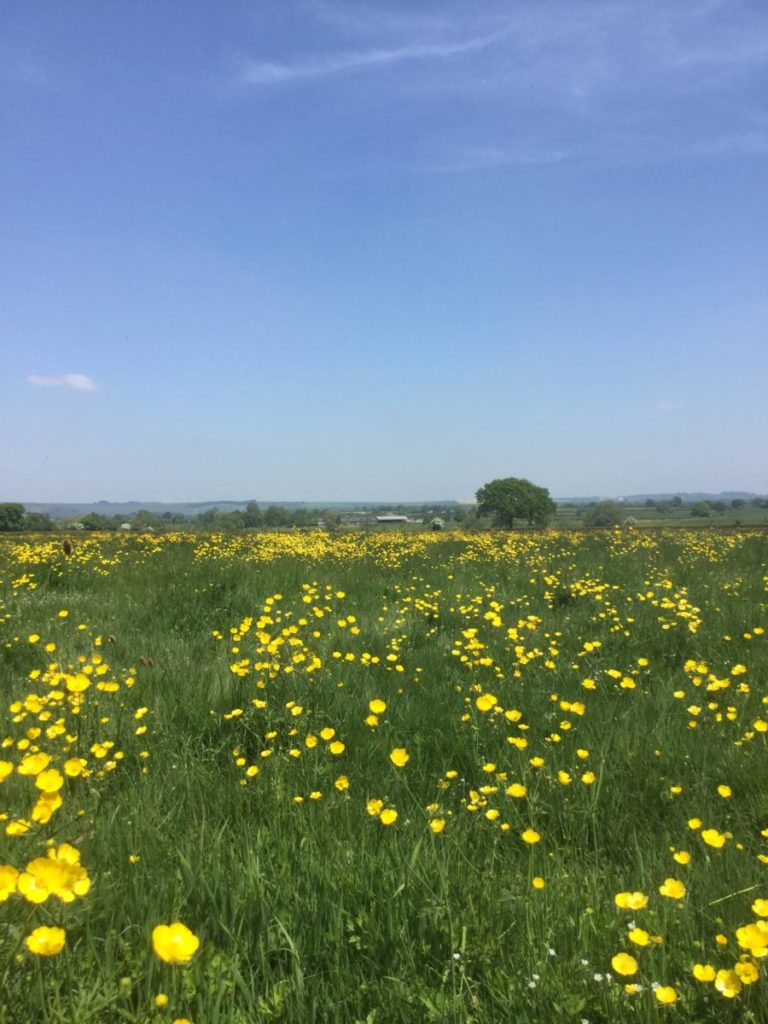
(67, 510)
(687, 497)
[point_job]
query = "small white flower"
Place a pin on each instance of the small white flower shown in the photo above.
(551, 952)
(536, 977)
(584, 962)
(457, 956)
(631, 926)
(531, 984)
(597, 977)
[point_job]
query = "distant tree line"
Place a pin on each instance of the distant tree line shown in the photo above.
(15, 518)
(512, 502)
(501, 503)
(613, 513)
(703, 508)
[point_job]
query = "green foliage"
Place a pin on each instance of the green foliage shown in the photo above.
(96, 521)
(143, 519)
(701, 509)
(276, 515)
(253, 515)
(513, 499)
(11, 517)
(234, 520)
(38, 522)
(332, 521)
(603, 513)
(209, 518)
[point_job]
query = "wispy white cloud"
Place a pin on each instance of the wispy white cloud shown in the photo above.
(611, 81)
(490, 157)
(670, 405)
(268, 72)
(736, 46)
(75, 381)
(586, 45)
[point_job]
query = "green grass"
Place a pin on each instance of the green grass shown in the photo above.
(646, 518)
(315, 911)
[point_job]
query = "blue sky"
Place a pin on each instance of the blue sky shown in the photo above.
(327, 250)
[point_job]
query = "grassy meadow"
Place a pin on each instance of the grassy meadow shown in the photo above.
(384, 777)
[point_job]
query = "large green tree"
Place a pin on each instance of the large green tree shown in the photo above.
(513, 498)
(11, 516)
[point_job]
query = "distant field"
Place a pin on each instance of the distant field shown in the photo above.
(646, 517)
(385, 777)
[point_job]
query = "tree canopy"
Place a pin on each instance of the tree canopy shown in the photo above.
(604, 513)
(514, 498)
(11, 516)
